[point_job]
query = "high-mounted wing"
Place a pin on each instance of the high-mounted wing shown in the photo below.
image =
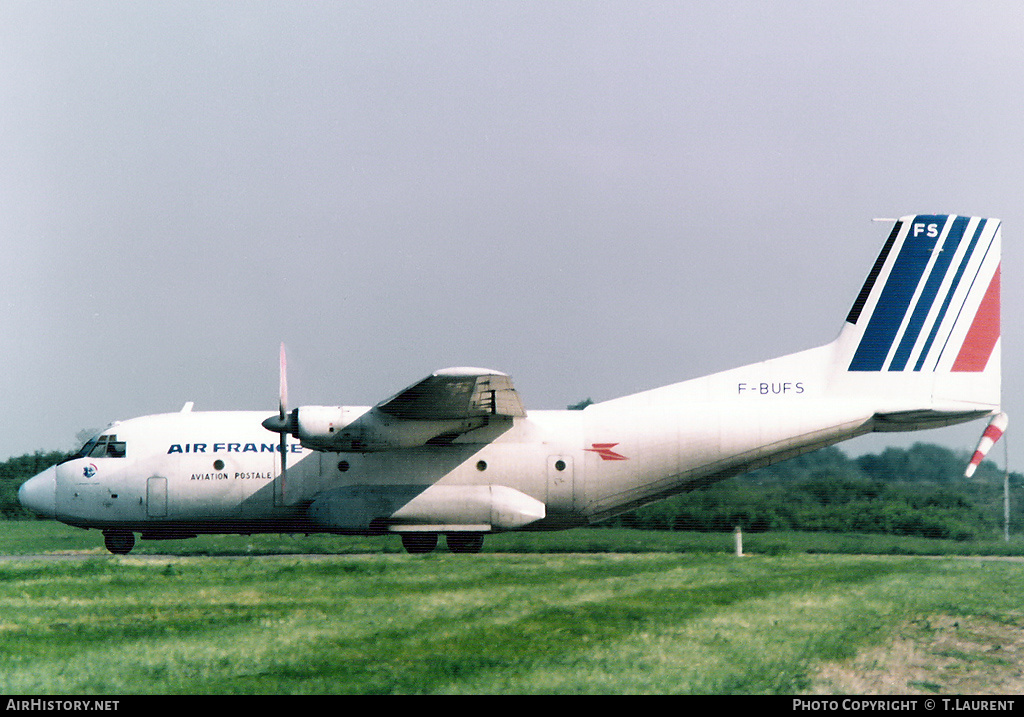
(435, 411)
(455, 393)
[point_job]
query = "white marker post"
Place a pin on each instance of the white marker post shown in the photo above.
(739, 542)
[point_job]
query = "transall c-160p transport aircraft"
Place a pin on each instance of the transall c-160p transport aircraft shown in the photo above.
(457, 453)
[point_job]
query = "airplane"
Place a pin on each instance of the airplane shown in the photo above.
(457, 454)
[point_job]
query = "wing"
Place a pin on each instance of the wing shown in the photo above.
(436, 411)
(456, 393)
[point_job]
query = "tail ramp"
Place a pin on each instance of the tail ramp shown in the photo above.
(923, 333)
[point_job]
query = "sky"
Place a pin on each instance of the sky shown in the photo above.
(594, 197)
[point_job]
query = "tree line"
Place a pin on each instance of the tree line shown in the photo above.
(918, 491)
(14, 472)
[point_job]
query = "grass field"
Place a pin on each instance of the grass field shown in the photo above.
(528, 615)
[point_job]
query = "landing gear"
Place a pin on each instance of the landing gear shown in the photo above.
(119, 542)
(419, 542)
(465, 542)
(457, 542)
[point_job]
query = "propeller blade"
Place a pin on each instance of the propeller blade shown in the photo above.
(284, 461)
(282, 423)
(282, 402)
(282, 393)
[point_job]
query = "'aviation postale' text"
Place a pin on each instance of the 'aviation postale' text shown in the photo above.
(238, 476)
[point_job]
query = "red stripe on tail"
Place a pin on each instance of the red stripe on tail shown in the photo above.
(984, 332)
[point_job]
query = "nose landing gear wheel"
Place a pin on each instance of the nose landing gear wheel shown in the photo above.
(119, 542)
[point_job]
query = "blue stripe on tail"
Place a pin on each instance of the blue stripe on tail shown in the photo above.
(894, 302)
(949, 294)
(927, 298)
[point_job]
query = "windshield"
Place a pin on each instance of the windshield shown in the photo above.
(101, 447)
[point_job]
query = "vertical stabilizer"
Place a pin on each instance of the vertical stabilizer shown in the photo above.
(924, 331)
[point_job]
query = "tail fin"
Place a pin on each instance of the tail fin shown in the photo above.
(925, 327)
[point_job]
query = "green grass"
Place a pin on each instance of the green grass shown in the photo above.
(31, 536)
(648, 620)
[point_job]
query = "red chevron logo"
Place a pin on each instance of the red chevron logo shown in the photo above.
(605, 451)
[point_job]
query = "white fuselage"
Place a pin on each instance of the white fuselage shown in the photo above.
(221, 471)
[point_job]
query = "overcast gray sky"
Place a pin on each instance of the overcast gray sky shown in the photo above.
(595, 197)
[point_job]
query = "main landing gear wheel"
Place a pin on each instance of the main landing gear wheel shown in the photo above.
(465, 542)
(419, 542)
(119, 542)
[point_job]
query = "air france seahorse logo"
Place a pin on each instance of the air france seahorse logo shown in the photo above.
(90, 470)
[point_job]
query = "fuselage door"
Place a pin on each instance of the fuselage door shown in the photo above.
(156, 497)
(561, 485)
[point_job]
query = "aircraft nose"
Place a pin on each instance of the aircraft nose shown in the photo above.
(39, 494)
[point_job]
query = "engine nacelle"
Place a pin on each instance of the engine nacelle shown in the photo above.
(359, 429)
(324, 427)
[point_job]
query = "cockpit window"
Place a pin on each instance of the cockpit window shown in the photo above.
(115, 448)
(84, 450)
(102, 447)
(99, 448)
(109, 447)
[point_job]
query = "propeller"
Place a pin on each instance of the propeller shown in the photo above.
(282, 423)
